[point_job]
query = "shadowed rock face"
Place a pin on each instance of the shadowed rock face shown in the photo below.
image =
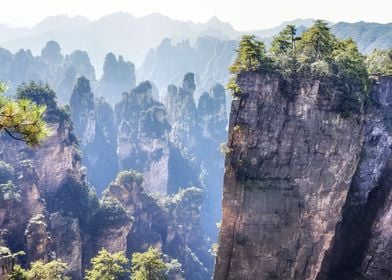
(287, 175)
(362, 243)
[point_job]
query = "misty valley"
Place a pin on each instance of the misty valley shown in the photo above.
(151, 148)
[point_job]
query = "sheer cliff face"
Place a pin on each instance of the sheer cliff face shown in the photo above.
(94, 126)
(287, 174)
(41, 211)
(362, 240)
(143, 136)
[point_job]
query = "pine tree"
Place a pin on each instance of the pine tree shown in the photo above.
(148, 265)
(108, 266)
(285, 40)
(22, 119)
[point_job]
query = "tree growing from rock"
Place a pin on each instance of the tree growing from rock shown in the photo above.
(22, 119)
(379, 62)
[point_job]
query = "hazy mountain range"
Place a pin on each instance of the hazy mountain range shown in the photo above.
(132, 37)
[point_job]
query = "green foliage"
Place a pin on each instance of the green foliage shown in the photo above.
(174, 270)
(214, 249)
(111, 212)
(189, 195)
(349, 63)
(252, 55)
(233, 87)
(285, 41)
(317, 54)
(43, 95)
(224, 149)
(128, 177)
(379, 62)
(18, 273)
(108, 266)
(22, 119)
(54, 270)
(317, 43)
(148, 265)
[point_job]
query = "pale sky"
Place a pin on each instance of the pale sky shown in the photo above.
(242, 14)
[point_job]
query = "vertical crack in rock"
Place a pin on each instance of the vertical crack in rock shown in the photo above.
(290, 163)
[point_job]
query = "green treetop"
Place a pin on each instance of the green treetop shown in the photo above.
(379, 62)
(317, 42)
(53, 270)
(349, 63)
(251, 55)
(108, 266)
(285, 40)
(148, 265)
(22, 119)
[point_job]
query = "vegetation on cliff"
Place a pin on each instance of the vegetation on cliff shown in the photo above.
(22, 119)
(316, 54)
(44, 96)
(379, 62)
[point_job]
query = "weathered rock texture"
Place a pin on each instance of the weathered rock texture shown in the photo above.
(290, 164)
(130, 220)
(47, 208)
(362, 242)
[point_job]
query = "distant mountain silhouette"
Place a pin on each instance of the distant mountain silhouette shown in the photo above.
(132, 37)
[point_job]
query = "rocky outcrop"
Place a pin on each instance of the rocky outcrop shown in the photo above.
(131, 220)
(50, 67)
(291, 158)
(44, 196)
(208, 58)
(94, 126)
(143, 136)
(118, 76)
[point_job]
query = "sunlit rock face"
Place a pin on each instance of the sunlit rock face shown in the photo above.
(143, 136)
(362, 242)
(45, 201)
(288, 170)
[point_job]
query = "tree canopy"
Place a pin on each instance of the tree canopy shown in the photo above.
(285, 41)
(317, 43)
(379, 62)
(148, 265)
(108, 266)
(251, 55)
(53, 270)
(22, 119)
